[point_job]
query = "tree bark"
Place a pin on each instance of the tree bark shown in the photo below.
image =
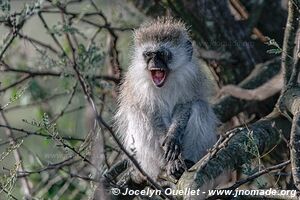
(228, 106)
(263, 135)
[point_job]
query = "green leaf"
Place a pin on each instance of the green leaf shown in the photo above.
(274, 51)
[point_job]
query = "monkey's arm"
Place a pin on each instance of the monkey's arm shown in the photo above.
(173, 142)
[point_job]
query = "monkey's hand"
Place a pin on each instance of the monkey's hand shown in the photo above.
(171, 146)
(176, 168)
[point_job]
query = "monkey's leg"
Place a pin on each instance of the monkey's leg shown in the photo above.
(173, 141)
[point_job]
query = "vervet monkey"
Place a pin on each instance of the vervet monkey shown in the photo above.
(163, 115)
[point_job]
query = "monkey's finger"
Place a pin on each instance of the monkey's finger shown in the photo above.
(172, 156)
(179, 168)
(164, 142)
(169, 152)
(183, 165)
(175, 168)
(167, 141)
(167, 149)
(177, 150)
(177, 165)
(168, 155)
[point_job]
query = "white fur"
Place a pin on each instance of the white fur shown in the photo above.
(139, 99)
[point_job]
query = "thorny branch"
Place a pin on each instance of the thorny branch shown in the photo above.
(29, 73)
(17, 155)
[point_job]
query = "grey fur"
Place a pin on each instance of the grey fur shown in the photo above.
(163, 126)
(161, 30)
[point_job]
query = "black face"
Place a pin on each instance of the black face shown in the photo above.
(157, 64)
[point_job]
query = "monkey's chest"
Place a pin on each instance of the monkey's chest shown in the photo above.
(147, 129)
(145, 135)
(159, 122)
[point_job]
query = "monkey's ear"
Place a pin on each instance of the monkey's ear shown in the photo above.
(190, 49)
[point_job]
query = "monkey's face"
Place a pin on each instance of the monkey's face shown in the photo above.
(162, 60)
(162, 53)
(157, 62)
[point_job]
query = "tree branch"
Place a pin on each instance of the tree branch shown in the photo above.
(295, 149)
(264, 135)
(224, 108)
(289, 41)
(260, 93)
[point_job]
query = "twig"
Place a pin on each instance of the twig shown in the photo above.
(238, 6)
(52, 34)
(67, 162)
(8, 193)
(257, 174)
(33, 73)
(17, 155)
(67, 105)
(16, 83)
(40, 43)
(11, 39)
(29, 133)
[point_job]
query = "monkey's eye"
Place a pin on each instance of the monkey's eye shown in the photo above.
(162, 54)
(147, 54)
(165, 54)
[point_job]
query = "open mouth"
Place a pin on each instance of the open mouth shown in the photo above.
(158, 76)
